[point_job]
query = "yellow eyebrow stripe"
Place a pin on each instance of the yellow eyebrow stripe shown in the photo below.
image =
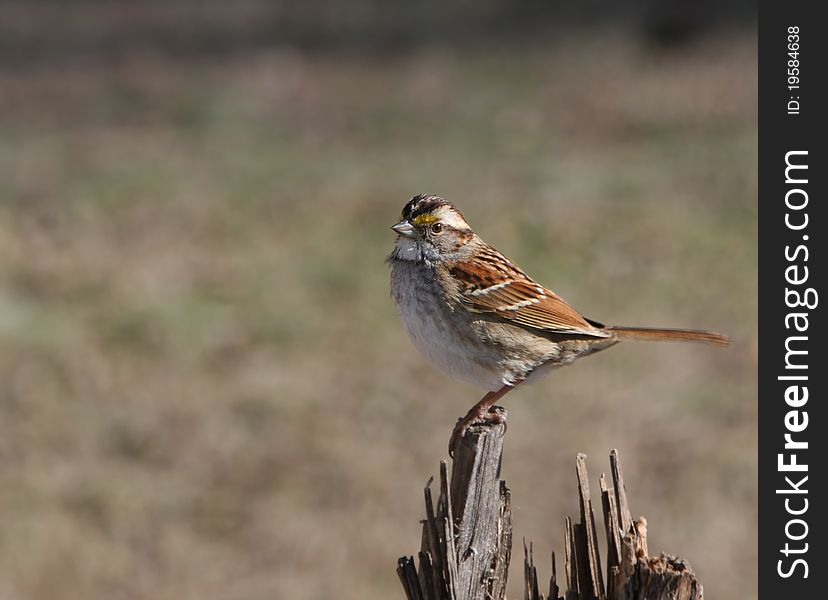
(425, 219)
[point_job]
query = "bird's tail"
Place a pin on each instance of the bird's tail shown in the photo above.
(670, 335)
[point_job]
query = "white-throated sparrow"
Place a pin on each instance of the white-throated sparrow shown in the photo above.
(475, 315)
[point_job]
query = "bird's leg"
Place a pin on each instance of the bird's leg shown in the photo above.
(480, 412)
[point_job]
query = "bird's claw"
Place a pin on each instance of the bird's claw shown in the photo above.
(493, 415)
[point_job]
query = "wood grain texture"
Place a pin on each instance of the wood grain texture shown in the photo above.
(466, 538)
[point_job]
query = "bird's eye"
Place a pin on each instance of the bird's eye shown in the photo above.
(437, 227)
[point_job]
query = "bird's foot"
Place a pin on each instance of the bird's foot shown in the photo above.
(493, 415)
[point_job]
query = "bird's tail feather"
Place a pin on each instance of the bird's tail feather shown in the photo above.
(672, 335)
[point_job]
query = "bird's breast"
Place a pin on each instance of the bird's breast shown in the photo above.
(439, 332)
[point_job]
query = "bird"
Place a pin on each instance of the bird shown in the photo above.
(477, 316)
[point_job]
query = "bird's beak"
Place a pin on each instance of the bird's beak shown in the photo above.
(404, 228)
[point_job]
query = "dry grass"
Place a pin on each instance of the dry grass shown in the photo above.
(204, 390)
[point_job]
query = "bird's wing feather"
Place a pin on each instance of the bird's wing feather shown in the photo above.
(493, 285)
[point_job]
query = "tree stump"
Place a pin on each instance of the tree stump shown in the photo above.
(467, 538)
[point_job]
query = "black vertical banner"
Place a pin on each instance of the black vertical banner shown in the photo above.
(793, 65)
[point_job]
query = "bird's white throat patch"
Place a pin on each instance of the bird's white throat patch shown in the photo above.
(407, 249)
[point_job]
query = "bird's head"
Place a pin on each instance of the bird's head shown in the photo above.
(432, 228)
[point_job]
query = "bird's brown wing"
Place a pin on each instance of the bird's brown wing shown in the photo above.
(493, 285)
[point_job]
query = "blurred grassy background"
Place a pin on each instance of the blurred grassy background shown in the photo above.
(204, 388)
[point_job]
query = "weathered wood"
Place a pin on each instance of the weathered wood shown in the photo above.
(587, 547)
(553, 581)
(631, 575)
(623, 508)
(467, 538)
(571, 566)
(610, 511)
(663, 577)
(408, 576)
(530, 574)
(500, 566)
